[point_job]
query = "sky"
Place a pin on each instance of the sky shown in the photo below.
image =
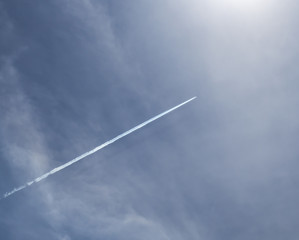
(76, 73)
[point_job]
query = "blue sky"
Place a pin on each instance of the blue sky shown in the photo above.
(74, 74)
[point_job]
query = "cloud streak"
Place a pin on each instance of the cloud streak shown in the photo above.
(84, 155)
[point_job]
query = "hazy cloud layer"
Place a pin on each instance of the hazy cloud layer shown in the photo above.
(74, 74)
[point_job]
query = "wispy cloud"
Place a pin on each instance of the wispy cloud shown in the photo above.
(193, 180)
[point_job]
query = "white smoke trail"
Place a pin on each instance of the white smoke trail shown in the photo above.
(93, 150)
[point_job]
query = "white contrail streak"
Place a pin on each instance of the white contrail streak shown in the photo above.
(93, 150)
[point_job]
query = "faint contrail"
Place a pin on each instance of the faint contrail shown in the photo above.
(93, 150)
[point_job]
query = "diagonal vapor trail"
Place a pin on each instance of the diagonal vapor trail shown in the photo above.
(57, 169)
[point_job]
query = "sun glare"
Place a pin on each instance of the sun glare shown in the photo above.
(242, 7)
(244, 3)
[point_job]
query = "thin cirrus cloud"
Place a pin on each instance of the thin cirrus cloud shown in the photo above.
(215, 175)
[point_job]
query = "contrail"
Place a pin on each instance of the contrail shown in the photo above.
(36, 180)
